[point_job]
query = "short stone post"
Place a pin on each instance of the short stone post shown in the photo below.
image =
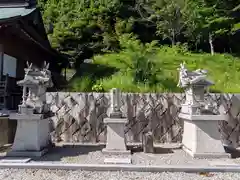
(116, 143)
(148, 142)
(201, 137)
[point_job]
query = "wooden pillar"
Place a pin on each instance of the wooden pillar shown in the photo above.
(1, 61)
(65, 73)
(6, 92)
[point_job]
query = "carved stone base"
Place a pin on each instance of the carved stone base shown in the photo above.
(201, 137)
(116, 151)
(115, 134)
(32, 135)
(27, 153)
(206, 155)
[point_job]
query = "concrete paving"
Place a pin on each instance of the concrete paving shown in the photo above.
(117, 167)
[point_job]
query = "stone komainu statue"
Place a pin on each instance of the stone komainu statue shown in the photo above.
(187, 78)
(35, 84)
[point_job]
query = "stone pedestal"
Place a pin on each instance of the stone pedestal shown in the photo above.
(32, 135)
(116, 151)
(201, 136)
(115, 136)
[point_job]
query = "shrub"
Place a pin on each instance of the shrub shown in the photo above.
(98, 88)
(83, 84)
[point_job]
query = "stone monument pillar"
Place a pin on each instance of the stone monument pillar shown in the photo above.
(116, 143)
(201, 136)
(32, 135)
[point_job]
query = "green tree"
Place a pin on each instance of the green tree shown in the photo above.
(206, 21)
(83, 28)
(236, 26)
(168, 15)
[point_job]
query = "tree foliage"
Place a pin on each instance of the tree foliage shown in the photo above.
(82, 28)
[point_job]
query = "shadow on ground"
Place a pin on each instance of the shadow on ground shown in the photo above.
(235, 153)
(87, 75)
(80, 153)
(157, 150)
(58, 152)
(96, 71)
(70, 151)
(5, 148)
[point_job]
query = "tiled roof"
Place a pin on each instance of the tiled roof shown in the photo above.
(7, 13)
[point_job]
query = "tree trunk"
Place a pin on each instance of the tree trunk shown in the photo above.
(173, 42)
(196, 46)
(173, 38)
(211, 43)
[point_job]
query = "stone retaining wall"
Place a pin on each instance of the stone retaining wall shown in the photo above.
(78, 117)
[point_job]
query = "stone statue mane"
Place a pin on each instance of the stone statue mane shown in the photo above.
(187, 77)
(41, 76)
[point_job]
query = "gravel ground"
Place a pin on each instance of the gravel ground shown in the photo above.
(93, 155)
(15, 174)
(165, 155)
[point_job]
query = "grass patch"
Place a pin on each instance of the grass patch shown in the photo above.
(147, 68)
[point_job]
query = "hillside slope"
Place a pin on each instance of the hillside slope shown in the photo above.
(147, 68)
